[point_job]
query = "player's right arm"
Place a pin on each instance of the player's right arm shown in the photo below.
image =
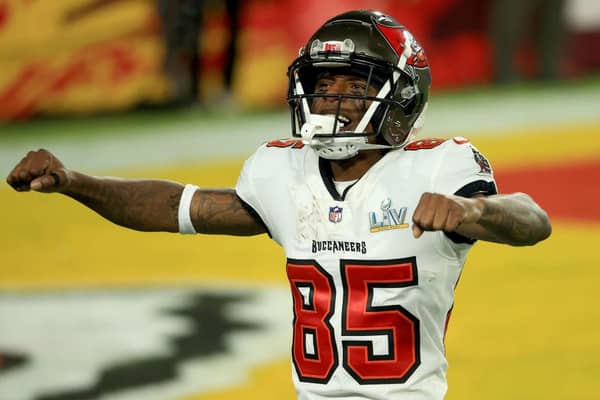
(140, 204)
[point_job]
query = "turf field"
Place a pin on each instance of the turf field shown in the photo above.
(526, 324)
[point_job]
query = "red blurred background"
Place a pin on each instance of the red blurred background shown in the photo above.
(89, 56)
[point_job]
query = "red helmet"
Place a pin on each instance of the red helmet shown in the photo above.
(376, 47)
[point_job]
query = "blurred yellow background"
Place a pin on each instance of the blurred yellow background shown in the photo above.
(525, 324)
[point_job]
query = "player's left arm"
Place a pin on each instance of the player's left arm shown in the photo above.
(514, 219)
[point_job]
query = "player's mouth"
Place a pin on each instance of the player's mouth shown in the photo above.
(344, 122)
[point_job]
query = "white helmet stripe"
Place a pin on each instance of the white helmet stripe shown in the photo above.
(406, 53)
(362, 125)
(300, 92)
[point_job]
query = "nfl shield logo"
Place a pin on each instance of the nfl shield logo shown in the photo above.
(335, 214)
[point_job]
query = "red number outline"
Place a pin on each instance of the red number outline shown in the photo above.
(359, 318)
(424, 144)
(283, 143)
(319, 367)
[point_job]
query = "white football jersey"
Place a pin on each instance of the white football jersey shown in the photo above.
(371, 302)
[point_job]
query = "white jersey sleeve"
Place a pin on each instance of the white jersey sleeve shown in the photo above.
(264, 183)
(460, 169)
(246, 187)
(463, 170)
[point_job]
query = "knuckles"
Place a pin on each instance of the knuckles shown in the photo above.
(36, 163)
(436, 211)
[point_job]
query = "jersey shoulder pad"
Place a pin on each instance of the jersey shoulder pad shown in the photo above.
(275, 157)
(463, 152)
(460, 140)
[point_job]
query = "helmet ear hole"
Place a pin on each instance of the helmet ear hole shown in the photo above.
(394, 126)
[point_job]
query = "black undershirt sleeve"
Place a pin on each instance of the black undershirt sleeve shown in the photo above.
(469, 190)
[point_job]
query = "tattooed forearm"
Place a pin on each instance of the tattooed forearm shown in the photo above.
(515, 219)
(153, 205)
(145, 205)
(221, 211)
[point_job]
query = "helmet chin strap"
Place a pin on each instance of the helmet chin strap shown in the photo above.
(342, 148)
(345, 148)
(333, 148)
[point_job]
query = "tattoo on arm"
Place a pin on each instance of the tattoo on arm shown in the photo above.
(515, 219)
(221, 211)
(144, 205)
(153, 205)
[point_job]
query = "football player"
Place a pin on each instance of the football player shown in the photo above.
(375, 225)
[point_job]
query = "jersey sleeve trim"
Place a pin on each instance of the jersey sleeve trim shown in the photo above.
(486, 188)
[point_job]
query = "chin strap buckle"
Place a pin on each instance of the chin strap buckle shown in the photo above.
(317, 124)
(333, 148)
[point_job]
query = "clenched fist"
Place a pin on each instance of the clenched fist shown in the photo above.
(438, 212)
(40, 171)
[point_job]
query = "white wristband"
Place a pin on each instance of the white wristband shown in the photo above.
(183, 216)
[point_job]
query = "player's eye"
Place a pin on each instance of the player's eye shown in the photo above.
(323, 86)
(358, 87)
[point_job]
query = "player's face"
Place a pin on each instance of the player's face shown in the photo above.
(351, 110)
